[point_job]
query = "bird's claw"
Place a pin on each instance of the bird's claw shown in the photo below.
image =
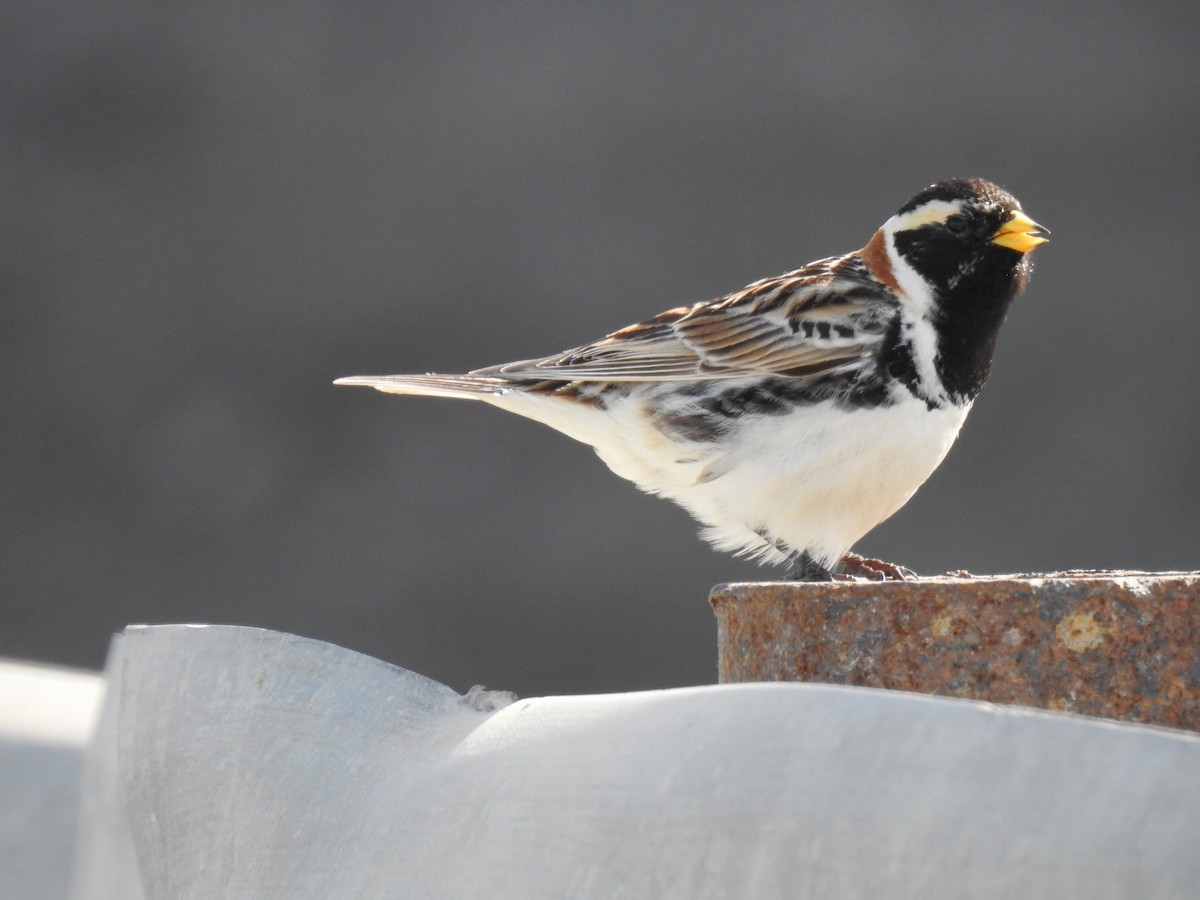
(805, 568)
(853, 566)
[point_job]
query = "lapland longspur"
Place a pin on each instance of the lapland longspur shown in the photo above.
(793, 416)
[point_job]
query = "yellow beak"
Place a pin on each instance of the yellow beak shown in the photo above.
(1020, 233)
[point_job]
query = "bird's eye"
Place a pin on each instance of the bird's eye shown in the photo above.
(957, 224)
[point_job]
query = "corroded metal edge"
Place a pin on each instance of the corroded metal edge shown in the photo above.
(1123, 645)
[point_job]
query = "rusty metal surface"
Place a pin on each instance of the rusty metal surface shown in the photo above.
(1118, 645)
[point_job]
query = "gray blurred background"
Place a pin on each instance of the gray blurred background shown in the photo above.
(210, 210)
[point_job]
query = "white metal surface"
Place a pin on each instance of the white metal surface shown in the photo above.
(46, 719)
(239, 763)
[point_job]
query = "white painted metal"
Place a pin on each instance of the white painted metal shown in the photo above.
(239, 763)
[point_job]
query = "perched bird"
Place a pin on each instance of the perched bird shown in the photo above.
(793, 416)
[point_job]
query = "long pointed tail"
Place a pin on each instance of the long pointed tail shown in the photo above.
(466, 387)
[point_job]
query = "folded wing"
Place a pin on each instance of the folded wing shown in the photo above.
(802, 324)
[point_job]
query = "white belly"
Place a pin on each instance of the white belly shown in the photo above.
(818, 480)
(815, 479)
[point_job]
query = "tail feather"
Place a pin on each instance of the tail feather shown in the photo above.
(584, 422)
(469, 387)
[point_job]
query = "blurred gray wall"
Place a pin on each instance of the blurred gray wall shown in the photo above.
(209, 210)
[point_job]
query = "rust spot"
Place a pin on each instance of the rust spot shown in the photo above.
(941, 627)
(1176, 688)
(1080, 632)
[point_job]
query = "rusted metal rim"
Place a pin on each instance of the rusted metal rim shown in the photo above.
(1123, 645)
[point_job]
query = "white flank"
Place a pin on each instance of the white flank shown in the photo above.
(818, 479)
(822, 478)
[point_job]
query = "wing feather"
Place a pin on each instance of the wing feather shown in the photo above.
(825, 317)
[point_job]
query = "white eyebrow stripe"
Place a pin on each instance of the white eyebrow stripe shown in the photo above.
(933, 212)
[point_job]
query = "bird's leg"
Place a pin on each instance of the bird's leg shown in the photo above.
(805, 568)
(875, 569)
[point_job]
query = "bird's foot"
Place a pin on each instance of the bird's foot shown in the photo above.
(805, 568)
(854, 566)
(851, 567)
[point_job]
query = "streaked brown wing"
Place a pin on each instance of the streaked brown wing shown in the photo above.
(822, 318)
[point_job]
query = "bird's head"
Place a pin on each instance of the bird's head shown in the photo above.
(965, 239)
